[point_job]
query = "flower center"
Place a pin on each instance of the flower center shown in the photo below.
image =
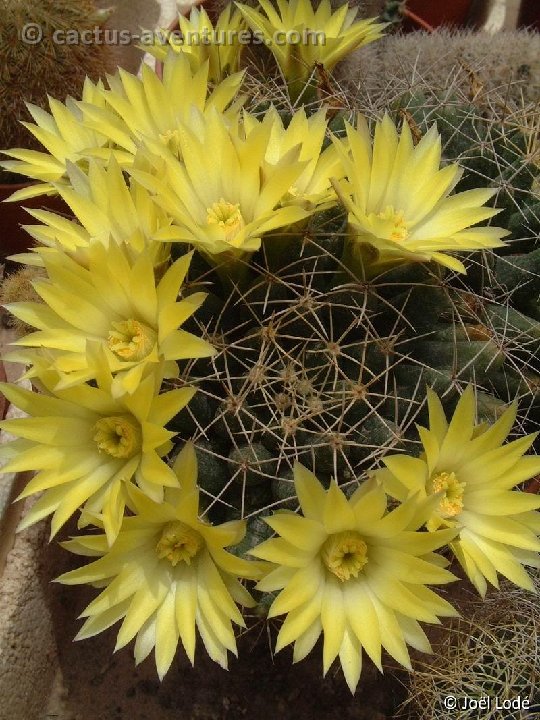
(118, 436)
(131, 340)
(345, 554)
(226, 216)
(395, 225)
(452, 501)
(178, 543)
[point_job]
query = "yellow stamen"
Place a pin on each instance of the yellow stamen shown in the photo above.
(131, 340)
(178, 543)
(118, 436)
(345, 554)
(397, 227)
(227, 216)
(452, 501)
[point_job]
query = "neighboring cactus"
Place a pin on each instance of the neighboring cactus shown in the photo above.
(33, 69)
(488, 142)
(490, 652)
(17, 287)
(507, 64)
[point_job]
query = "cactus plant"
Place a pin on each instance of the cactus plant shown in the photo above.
(331, 299)
(446, 60)
(486, 660)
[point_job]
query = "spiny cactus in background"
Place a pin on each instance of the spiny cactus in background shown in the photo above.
(507, 63)
(34, 67)
(490, 652)
(17, 287)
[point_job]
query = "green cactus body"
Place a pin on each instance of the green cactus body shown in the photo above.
(335, 377)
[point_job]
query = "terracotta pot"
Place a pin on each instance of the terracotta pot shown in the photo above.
(428, 14)
(13, 239)
(529, 15)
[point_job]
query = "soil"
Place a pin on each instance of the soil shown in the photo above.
(97, 685)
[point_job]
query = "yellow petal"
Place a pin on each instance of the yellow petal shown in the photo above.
(280, 552)
(410, 471)
(185, 609)
(391, 634)
(298, 621)
(421, 543)
(504, 530)
(338, 514)
(333, 621)
(470, 548)
(461, 426)
(413, 633)
(350, 657)
(395, 595)
(308, 535)
(402, 566)
(496, 434)
(216, 651)
(98, 623)
(124, 585)
(470, 568)
(437, 418)
(145, 640)
(363, 619)
(211, 585)
(185, 467)
(143, 604)
(166, 633)
(310, 492)
(503, 560)
(500, 502)
(276, 579)
(306, 642)
(300, 588)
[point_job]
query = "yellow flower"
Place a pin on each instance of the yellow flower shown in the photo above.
(64, 135)
(399, 199)
(218, 196)
(113, 121)
(116, 304)
(107, 210)
(471, 472)
(167, 573)
(300, 36)
(86, 447)
(355, 572)
(313, 187)
(202, 42)
(148, 107)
